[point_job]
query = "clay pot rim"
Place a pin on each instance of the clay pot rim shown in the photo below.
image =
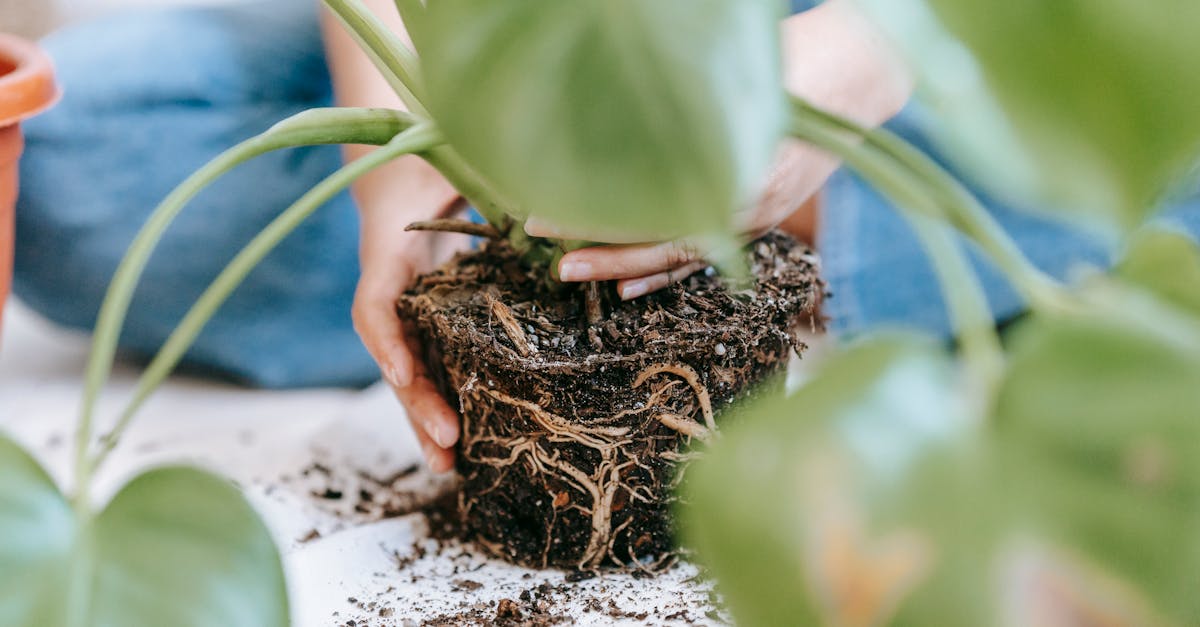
(29, 88)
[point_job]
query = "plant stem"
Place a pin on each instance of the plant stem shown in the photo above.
(482, 195)
(401, 68)
(958, 205)
(448, 225)
(967, 304)
(417, 139)
(318, 126)
(391, 56)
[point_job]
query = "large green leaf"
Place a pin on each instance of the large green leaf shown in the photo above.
(176, 546)
(1103, 93)
(849, 502)
(1166, 262)
(37, 536)
(1083, 108)
(1099, 424)
(619, 117)
(870, 498)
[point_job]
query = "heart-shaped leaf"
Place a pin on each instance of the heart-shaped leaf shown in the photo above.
(176, 546)
(622, 118)
(1166, 262)
(831, 507)
(1083, 108)
(37, 537)
(1099, 427)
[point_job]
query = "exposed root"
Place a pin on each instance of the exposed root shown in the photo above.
(692, 378)
(615, 447)
(509, 324)
(591, 297)
(449, 225)
(687, 427)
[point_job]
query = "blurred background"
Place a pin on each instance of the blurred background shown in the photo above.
(34, 18)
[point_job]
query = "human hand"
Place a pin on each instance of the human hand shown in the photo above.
(391, 259)
(389, 199)
(642, 268)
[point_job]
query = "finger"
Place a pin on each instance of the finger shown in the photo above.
(381, 330)
(630, 289)
(437, 458)
(606, 263)
(430, 412)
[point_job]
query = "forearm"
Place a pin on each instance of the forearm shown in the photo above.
(406, 190)
(838, 60)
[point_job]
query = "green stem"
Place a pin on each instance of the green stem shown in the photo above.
(319, 126)
(417, 139)
(400, 66)
(387, 51)
(967, 304)
(481, 194)
(958, 204)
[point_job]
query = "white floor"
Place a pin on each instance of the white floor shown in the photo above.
(265, 441)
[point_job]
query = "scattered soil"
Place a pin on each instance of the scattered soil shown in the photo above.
(577, 424)
(440, 559)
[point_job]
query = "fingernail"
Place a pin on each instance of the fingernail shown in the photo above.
(398, 377)
(389, 373)
(634, 289)
(574, 270)
(444, 436)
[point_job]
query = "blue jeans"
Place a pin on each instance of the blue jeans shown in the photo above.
(151, 96)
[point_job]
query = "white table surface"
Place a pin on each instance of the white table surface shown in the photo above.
(264, 441)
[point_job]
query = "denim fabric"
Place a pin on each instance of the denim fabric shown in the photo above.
(800, 6)
(149, 97)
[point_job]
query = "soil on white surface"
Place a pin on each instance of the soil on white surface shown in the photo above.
(336, 475)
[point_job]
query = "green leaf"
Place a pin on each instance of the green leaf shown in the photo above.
(37, 535)
(1101, 443)
(1168, 263)
(1101, 93)
(831, 507)
(176, 546)
(626, 118)
(179, 546)
(1079, 108)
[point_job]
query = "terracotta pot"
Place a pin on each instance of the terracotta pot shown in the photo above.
(27, 88)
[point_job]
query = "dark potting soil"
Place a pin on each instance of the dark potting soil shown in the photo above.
(575, 432)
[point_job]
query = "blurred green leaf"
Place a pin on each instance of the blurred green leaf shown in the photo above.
(1168, 263)
(1079, 108)
(37, 536)
(620, 117)
(179, 546)
(176, 546)
(849, 501)
(1099, 428)
(1104, 94)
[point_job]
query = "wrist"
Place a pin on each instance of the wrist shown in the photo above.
(406, 190)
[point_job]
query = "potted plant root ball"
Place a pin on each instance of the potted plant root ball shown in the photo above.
(577, 424)
(26, 88)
